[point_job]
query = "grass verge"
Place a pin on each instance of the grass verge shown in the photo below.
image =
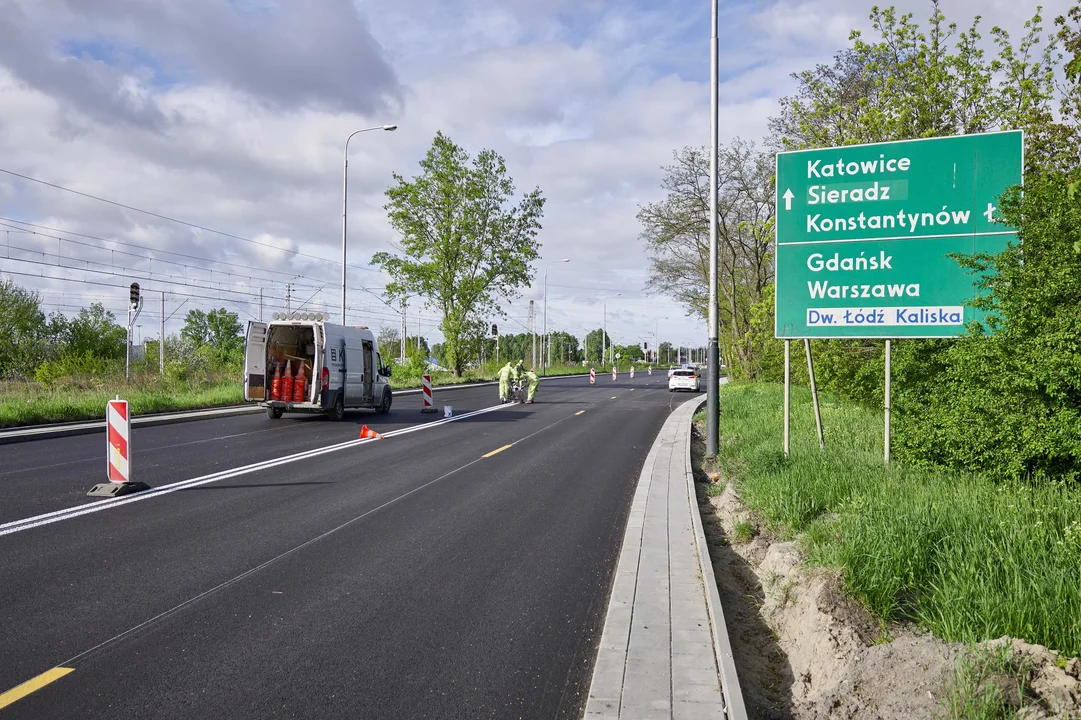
(31, 403)
(968, 558)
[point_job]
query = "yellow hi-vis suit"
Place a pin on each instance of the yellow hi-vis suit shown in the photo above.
(534, 381)
(504, 382)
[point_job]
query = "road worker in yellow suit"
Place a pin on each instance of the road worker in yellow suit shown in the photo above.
(504, 382)
(534, 381)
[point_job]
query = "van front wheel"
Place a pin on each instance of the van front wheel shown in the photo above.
(384, 405)
(337, 413)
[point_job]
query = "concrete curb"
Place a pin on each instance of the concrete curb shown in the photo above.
(86, 427)
(735, 709)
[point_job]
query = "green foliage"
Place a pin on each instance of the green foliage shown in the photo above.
(220, 329)
(968, 558)
(462, 248)
(594, 341)
(95, 332)
(990, 684)
(1009, 403)
(71, 364)
(911, 83)
(24, 328)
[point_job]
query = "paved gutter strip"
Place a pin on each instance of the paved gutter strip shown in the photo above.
(20, 434)
(735, 709)
(664, 649)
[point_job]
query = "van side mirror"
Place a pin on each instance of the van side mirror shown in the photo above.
(385, 370)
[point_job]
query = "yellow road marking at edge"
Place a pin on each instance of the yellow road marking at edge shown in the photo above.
(496, 451)
(18, 693)
(579, 412)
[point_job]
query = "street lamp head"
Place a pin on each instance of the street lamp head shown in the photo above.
(390, 128)
(565, 260)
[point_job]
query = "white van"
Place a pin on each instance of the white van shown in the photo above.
(342, 365)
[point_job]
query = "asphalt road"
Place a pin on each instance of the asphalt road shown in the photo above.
(419, 575)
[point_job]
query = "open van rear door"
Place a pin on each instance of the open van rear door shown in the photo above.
(255, 362)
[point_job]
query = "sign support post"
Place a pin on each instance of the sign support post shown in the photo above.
(889, 352)
(787, 389)
(814, 395)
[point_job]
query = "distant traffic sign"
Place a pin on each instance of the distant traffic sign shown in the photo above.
(863, 233)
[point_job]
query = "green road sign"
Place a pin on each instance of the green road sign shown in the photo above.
(863, 233)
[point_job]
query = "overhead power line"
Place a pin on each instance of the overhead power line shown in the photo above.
(181, 222)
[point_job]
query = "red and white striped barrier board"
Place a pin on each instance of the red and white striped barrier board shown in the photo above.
(118, 439)
(592, 377)
(613, 373)
(429, 406)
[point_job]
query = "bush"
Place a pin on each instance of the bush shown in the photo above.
(1009, 402)
(69, 365)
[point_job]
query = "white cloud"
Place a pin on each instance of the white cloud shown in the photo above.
(146, 104)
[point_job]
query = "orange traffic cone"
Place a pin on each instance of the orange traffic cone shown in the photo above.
(367, 433)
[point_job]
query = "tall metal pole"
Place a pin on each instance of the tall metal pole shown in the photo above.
(345, 202)
(401, 345)
(260, 303)
(543, 364)
(127, 356)
(161, 336)
(712, 390)
(345, 219)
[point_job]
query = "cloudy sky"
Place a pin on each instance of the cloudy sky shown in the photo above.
(231, 115)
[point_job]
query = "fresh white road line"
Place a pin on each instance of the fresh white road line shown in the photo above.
(68, 513)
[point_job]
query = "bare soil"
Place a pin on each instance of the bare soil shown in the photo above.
(806, 650)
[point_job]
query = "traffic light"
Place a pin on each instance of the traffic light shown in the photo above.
(645, 346)
(134, 295)
(495, 330)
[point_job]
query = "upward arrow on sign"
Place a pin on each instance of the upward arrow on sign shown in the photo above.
(788, 199)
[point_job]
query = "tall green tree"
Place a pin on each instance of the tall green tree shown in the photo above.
(25, 329)
(675, 232)
(94, 332)
(220, 329)
(465, 246)
(594, 340)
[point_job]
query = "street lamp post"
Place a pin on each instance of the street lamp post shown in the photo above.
(544, 371)
(713, 388)
(345, 201)
(604, 329)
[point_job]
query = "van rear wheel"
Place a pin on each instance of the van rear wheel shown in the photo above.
(274, 413)
(337, 413)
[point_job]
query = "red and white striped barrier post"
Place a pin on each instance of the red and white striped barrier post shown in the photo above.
(118, 436)
(592, 377)
(632, 372)
(117, 452)
(429, 407)
(649, 370)
(613, 372)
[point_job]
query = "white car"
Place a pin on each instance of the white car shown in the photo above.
(683, 380)
(674, 368)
